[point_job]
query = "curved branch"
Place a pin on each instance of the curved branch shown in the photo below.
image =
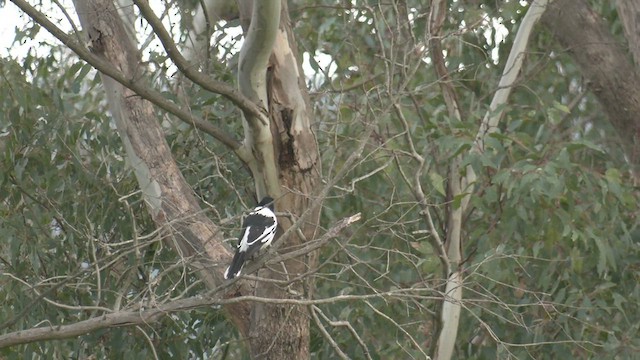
(457, 182)
(190, 70)
(326, 334)
(133, 84)
(346, 324)
(252, 80)
(418, 193)
(318, 243)
(462, 185)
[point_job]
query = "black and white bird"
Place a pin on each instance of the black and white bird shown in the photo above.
(258, 230)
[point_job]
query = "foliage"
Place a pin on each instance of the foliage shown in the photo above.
(551, 243)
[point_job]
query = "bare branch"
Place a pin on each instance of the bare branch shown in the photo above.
(395, 323)
(326, 334)
(629, 13)
(346, 324)
(421, 198)
(450, 314)
(318, 243)
(148, 316)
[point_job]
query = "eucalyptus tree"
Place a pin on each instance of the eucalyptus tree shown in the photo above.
(452, 179)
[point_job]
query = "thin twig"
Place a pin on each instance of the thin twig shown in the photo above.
(346, 324)
(326, 334)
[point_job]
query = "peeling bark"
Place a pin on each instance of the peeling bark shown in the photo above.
(279, 331)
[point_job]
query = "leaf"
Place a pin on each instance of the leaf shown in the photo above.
(71, 72)
(612, 175)
(20, 166)
(437, 182)
(457, 200)
(582, 144)
(83, 73)
(563, 108)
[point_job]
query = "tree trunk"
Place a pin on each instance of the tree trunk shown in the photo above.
(629, 13)
(287, 149)
(282, 331)
(605, 64)
(169, 198)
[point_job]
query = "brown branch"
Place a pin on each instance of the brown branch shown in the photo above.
(318, 243)
(346, 324)
(190, 70)
(146, 317)
(437, 17)
(458, 184)
(418, 193)
(326, 334)
(139, 87)
(268, 257)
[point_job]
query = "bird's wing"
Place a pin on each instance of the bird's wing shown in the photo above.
(257, 227)
(263, 217)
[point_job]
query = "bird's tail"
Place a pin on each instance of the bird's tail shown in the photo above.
(236, 265)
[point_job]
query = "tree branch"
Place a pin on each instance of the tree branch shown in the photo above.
(252, 80)
(149, 316)
(268, 257)
(346, 324)
(190, 70)
(197, 48)
(318, 243)
(326, 334)
(418, 193)
(139, 87)
(450, 313)
(509, 75)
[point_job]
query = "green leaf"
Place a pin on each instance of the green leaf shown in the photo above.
(73, 69)
(563, 108)
(437, 182)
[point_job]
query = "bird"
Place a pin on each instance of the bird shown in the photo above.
(258, 230)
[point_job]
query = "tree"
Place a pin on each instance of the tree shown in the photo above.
(600, 56)
(498, 209)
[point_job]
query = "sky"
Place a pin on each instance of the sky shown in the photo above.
(12, 16)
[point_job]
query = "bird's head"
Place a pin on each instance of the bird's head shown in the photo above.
(266, 201)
